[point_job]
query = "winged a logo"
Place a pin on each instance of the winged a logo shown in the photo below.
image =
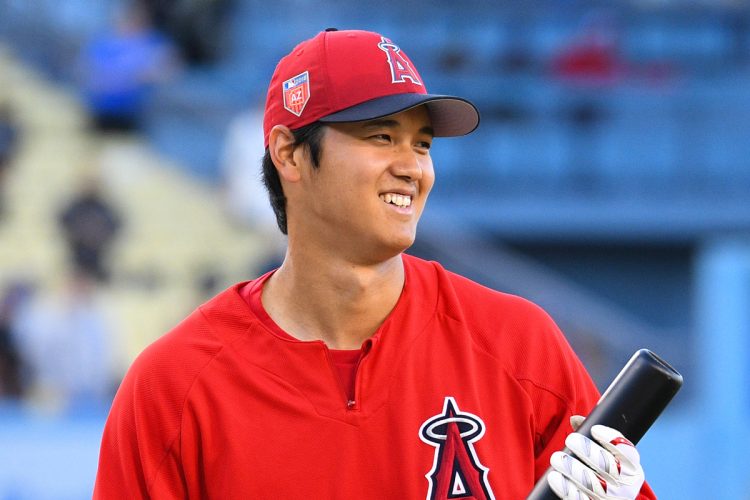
(456, 470)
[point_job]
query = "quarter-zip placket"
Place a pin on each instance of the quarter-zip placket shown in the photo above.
(351, 399)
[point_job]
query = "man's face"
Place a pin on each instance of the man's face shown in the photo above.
(367, 196)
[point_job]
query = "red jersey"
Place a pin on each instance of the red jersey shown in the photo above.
(463, 392)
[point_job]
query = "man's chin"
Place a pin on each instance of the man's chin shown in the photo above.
(401, 247)
(385, 252)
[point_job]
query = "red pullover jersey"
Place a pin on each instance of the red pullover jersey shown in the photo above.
(463, 392)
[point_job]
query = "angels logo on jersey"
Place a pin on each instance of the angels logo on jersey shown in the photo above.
(456, 470)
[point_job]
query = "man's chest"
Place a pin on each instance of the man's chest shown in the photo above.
(422, 434)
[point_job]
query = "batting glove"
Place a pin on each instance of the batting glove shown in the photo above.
(611, 471)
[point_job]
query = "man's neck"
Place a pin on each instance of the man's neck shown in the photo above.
(339, 303)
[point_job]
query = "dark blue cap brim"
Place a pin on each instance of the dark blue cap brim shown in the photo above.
(450, 116)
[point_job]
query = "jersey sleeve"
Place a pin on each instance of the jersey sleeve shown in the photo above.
(567, 390)
(536, 354)
(570, 391)
(646, 493)
(138, 458)
(140, 454)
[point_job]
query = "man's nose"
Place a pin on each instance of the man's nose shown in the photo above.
(408, 163)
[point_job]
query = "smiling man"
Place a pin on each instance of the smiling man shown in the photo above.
(355, 370)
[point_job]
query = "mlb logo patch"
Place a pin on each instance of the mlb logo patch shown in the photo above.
(297, 93)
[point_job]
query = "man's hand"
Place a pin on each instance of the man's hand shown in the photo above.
(611, 471)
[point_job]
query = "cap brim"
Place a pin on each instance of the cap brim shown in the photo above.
(450, 116)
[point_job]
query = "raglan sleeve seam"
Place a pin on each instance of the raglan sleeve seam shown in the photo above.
(546, 389)
(518, 378)
(178, 434)
(567, 405)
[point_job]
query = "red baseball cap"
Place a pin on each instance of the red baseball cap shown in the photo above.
(350, 76)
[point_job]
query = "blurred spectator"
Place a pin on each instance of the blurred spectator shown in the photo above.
(67, 341)
(119, 69)
(245, 196)
(590, 62)
(454, 59)
(90, 225)
(197, 26)
(11, 364)
(8, 143)
(593, 56)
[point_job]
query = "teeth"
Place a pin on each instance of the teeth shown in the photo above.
(396, 199)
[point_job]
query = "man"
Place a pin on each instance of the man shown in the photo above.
(355, 371)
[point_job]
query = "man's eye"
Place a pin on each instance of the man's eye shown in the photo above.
(382, 137)
(424, 145)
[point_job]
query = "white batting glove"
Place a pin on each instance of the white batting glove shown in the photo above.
(611, 471)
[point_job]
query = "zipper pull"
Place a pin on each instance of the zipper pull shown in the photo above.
(351, 405)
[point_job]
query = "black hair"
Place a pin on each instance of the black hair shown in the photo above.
(311, 136)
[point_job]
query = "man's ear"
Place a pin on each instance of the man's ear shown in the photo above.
(281, 148)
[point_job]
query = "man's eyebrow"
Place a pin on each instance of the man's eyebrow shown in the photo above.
(427, 130)
(375, 124)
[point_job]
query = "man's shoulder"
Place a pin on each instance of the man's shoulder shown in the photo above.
(520, 334)
(158, 383)
(459, 292)
(179, 355)
(509, 327)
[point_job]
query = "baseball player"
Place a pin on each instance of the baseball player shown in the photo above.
(355, 371)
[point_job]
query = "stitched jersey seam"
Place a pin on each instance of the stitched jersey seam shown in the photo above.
(178, 434)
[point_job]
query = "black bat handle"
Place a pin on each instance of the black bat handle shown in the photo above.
(631, 404)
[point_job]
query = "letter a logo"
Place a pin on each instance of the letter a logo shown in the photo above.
(400, 67)
(456, 471)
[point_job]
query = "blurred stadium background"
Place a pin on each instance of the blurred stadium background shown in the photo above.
(609, 182)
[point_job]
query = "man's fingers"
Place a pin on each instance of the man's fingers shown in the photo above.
(618, 445)
(579, 475)
(594, 456)
(605, 467)
(563, 488)
(576, 421)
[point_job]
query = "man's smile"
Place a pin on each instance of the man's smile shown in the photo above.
(396, 199)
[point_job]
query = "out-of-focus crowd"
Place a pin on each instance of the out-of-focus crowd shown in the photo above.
(59, 345)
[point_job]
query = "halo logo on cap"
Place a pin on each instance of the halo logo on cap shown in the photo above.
(400, 67)
(297, 93)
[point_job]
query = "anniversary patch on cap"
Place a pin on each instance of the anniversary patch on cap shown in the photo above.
(297, 93)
